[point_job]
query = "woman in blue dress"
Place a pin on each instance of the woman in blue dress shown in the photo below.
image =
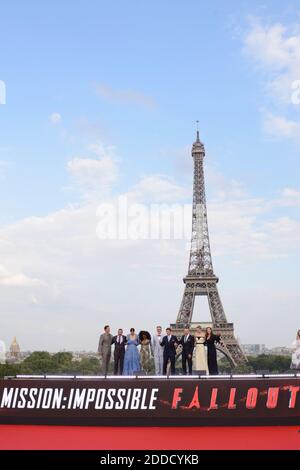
(132, 357)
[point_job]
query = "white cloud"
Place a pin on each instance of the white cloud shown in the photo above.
(125, 97)
(17, 279)
(290, 197)
(158, 189)
(249, 231)
(94, 176)
(89, 171)
(272, 45)
(55, 118)
(277, 49)
(281, 127)
(101, 150)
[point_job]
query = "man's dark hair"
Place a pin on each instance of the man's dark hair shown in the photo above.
(168, 329)
(106, 326)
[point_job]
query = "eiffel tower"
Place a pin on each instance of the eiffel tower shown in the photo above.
(201, 279)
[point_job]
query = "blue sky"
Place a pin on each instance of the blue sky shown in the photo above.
(133, 77)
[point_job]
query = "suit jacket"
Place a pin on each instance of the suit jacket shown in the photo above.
(188, 345)
(156, 348)
(119, 347)
(169, 345)
(104, 346)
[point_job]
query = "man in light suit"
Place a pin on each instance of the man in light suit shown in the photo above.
(104, 349)
(158, 351)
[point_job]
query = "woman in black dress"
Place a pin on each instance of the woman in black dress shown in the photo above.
(210, 342)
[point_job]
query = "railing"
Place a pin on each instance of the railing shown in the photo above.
(143, 377)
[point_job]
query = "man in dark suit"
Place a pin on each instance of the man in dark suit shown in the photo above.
(188, 342)
(120, 342)
(170, 343)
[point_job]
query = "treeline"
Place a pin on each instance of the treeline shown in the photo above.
(61, 363)
(42, 362)
(258, 364)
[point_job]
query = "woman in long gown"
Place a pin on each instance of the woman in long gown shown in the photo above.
(200, 356)
(210, 341)
(295, 364)
(132, 358)
(145, 340)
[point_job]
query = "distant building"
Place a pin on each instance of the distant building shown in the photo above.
(257, 349)
(15, 349)
(254, 349)
(14, 353)
(79, 355)
(280, 351)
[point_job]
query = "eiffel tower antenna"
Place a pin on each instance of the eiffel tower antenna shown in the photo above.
(197, 127)
(201, 279)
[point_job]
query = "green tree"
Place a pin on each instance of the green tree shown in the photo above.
(88, 366)
(270, 362)
(255, 364)
(7, 370)
(62, 362)
(39, 362)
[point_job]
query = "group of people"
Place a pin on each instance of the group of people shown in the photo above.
(198, 352)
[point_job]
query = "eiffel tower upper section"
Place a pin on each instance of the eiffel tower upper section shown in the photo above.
(200, 263)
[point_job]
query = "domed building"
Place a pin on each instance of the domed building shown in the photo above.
(14, 350)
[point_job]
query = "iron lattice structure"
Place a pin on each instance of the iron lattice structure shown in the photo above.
(201, 279)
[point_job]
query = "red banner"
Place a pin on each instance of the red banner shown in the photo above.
(187, 401)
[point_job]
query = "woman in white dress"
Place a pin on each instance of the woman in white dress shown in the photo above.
(200, 355)
(296, 353)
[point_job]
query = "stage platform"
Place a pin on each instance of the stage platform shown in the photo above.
(151, 401)
(27, 437)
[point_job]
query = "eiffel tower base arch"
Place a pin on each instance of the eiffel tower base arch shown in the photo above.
(207, 286)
